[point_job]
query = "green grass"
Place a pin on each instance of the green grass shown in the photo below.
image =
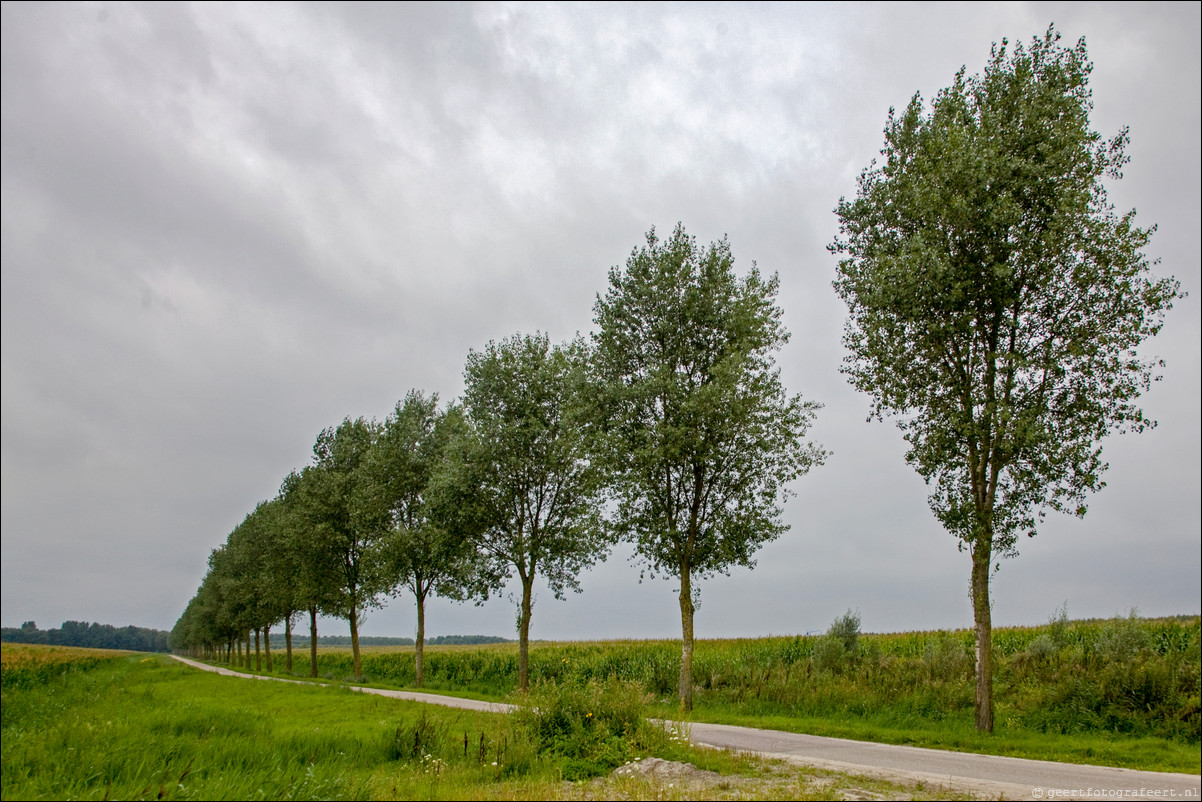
(1123, 692)
(148, 727)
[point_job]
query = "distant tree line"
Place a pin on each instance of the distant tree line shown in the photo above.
(94, 636)
(302, 641)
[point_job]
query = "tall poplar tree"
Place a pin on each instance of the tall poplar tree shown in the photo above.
(347, 524)
(997, 302)
(423, 551)
(531, 492)
(697, 432)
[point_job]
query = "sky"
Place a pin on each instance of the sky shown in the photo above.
(227, 227)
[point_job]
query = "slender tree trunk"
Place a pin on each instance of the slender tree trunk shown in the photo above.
(229, 651)
(258, 652)
(267, 647)
(240, 662)
(983, 629)
(524, 634)
(354, 619)
(312, 641)
(686, 639)
(421, 636)
(288, 643)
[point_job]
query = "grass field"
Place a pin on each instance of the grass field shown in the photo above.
(1123, 692)
(144, 726)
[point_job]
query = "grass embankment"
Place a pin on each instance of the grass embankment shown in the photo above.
(1122, 693)
(147, 727)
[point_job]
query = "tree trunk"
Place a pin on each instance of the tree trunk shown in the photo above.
(288, 643)
(258, 652)
(686, 640)
(421, 636)
(524, 636)
(354, 619)
(312, 641)
(267, 647)
(983, 628)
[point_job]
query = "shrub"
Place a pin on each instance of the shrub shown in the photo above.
(1043, 647)
(846, 629)
(1123, 639)
(830, 655)
(945, 658)
(1058, 627)
(597, 726)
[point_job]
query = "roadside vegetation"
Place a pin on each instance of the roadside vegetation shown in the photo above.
(1120, 692)
(144, 727)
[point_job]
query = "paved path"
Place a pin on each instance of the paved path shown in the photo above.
(409, 696)
(984, 775)
(980, 775)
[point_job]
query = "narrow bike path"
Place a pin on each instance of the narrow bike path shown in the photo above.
(409, 696)
(980, 775)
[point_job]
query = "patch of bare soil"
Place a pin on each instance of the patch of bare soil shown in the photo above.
(653, 778)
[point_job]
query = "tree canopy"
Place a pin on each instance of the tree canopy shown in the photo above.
(997, 301)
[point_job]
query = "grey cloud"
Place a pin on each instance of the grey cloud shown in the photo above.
(225, 227)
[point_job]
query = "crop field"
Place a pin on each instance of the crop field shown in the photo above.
(1122, 692)
(24, 664)
(145, 727)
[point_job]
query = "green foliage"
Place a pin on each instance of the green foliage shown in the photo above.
(423, 551)
(945, 658)
(829, 654)
(1058, 627)
(996, 300)
(596, 725)
(698, 432)
(526, 461)
(1123, 639)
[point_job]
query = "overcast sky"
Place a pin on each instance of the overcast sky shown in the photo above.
(226, 227)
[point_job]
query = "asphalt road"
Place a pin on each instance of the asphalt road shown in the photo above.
(980, 775)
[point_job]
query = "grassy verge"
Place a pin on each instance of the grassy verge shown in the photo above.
(148, 727)
(951, 732)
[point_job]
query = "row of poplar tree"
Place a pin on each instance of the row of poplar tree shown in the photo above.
(670, 428)
(997, 308)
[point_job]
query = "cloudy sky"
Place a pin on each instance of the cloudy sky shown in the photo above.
(226, 227)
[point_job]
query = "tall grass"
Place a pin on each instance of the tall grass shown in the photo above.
(1125, 678)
